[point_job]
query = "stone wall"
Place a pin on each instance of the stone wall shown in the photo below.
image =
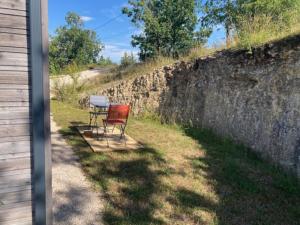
(253, 98)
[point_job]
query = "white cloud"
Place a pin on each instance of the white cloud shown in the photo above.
(86, 18)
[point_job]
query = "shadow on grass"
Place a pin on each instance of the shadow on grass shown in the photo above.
(132, 202)
(126, 178)
(250, 190)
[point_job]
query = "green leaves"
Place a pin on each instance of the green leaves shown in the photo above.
(73, 20)
(127, 60)
(167, 26)
(73, 44)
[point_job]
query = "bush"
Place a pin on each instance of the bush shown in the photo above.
(262, 28)
(70, 69)
(67, 89)
(105, 61)
(127, 60)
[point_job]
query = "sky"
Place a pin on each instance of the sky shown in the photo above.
(113, 29)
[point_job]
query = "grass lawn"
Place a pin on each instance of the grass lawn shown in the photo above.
(183, 176)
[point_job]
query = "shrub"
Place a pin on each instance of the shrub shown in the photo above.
(67, 89)
(105, 61)
(127, 60)
(262, 28)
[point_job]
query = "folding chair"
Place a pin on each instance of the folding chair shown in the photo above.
(117, 116)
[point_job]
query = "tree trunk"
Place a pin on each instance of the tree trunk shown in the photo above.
(228, 39)
(228, 24)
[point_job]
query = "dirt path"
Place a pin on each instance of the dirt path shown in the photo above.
(83, 76)
(74, 200)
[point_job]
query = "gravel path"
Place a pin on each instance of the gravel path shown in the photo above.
(86, 75)
(74, 201)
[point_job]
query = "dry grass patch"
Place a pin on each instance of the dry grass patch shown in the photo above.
(118, 74)
(262, 28)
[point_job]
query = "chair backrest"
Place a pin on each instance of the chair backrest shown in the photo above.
(98, 100)
(118, 112)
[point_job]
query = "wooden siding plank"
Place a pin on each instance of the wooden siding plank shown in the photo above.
(15, 130)
(18, 175)
(15, 147)
(14, 68)
(19, 74)
(14, 108)
(16, 164)
(13, 12)
(15, 121)
(14, 4)
(17, 138)
(14, 87)
(13, 21)
(13, 49)
(14, 77)
(15, 197)
(13, 155)
(14, 95)
(11, 108)
(16, 185)
(17, 205)
(15, 172)
(14, 115)
(15, 181)
(16, 213)
(13, 59)
(10, 30)
(13, 105)
(21, 221)
(14, 40)
(15, 189)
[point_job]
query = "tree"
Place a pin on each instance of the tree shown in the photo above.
(219, 12)
(73, 44)
(167, 26)
(104, 61)
(127, 60)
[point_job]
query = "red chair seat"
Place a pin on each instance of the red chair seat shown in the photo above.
(117, 115)
(116, 121)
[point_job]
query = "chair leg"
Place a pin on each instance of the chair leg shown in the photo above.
(105, 133)
(113, 129)
(91, 119)
(95, 125)
(97, 131)
(122, 129)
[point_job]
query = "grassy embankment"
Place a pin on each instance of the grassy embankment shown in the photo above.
(252, 32)
(183, 176)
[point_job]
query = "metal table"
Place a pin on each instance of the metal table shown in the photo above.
(99, 105)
